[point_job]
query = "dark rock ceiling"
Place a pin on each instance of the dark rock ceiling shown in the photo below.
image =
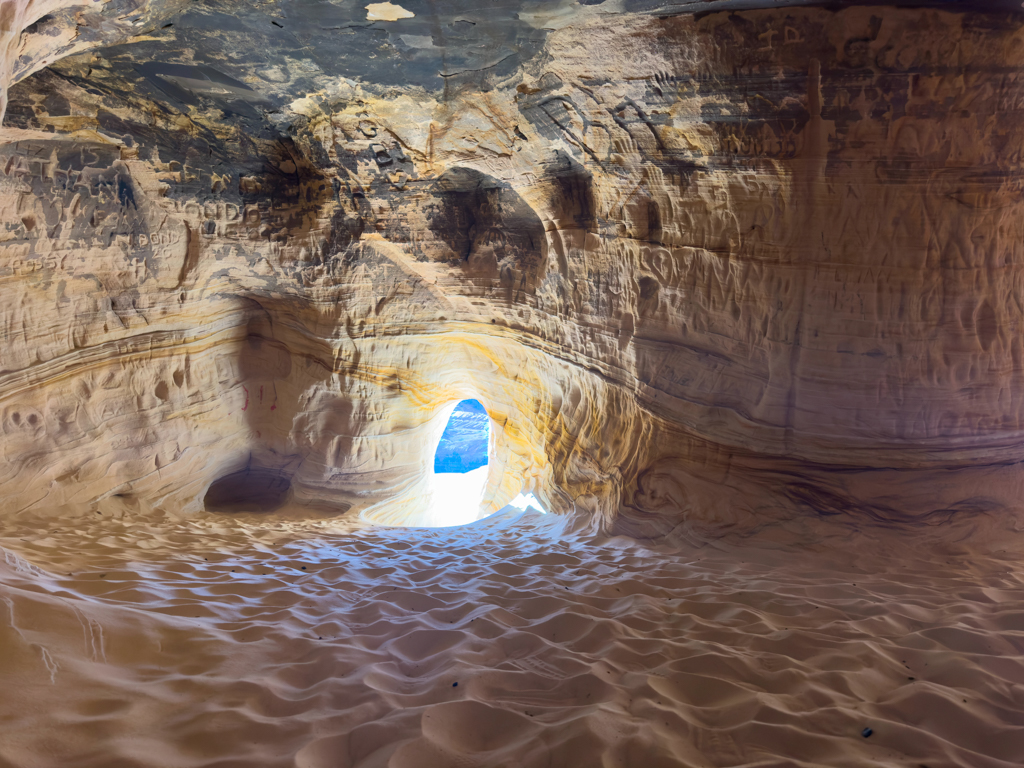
(234, 66)
(253, 57)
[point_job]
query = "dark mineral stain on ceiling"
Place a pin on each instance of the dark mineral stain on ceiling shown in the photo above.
(281, 49)
(239, 63)
(233, 66)
(286, 48)
(259, 55)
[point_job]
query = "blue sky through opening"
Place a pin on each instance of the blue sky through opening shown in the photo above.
(463, 445)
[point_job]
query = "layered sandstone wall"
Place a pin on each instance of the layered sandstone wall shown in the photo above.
(704, 268)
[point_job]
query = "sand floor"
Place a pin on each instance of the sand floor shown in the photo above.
(134, 639)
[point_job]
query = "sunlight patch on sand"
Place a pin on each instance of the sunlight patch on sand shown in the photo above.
(457, 498)
(525, 501)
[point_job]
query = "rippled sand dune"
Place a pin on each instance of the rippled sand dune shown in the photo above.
(235, 641)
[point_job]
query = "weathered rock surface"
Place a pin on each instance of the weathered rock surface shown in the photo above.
(707, 268)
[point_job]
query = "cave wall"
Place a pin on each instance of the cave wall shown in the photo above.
(699, 269)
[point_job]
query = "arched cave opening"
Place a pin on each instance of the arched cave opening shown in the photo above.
(460, 465)
(463, 445)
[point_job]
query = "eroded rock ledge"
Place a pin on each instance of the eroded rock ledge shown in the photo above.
(709, 268)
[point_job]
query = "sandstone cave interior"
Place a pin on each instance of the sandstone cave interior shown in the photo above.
(511, 384)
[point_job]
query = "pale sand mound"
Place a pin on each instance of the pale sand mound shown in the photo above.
(146, 641)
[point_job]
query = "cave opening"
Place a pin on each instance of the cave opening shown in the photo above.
(462, 469)
(461, 463)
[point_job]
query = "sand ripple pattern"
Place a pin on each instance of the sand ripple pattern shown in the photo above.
(147, 641)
